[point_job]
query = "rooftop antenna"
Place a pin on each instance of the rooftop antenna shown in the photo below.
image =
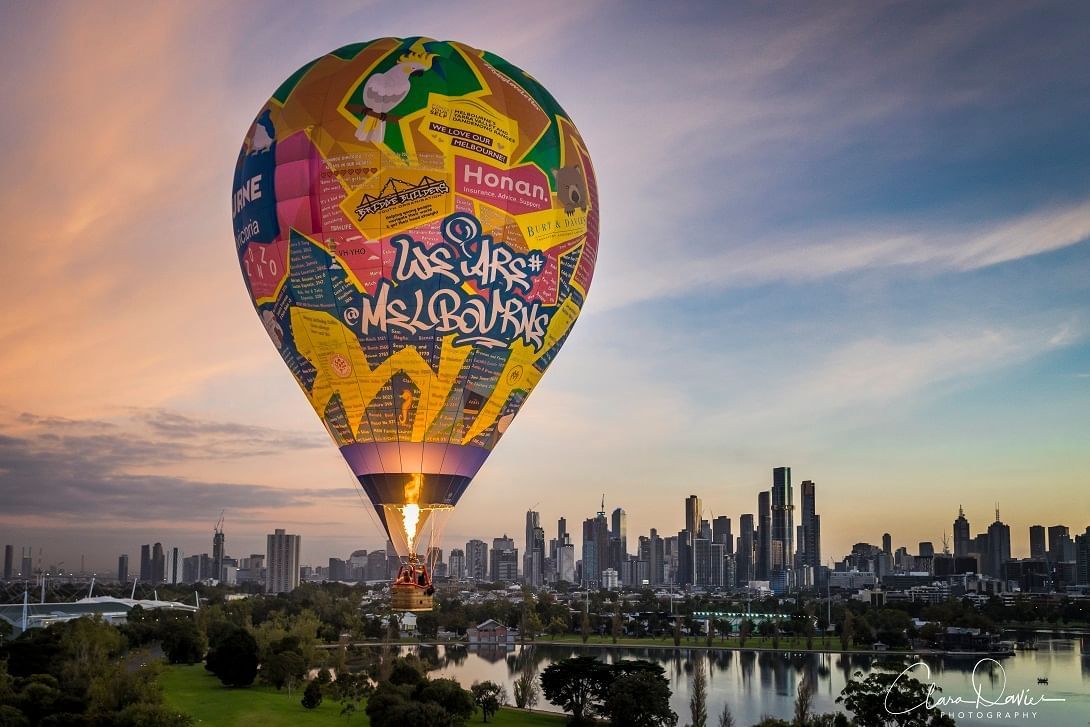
(997, 512)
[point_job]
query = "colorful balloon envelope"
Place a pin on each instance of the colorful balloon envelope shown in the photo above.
(417, 225)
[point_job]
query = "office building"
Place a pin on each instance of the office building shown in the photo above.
(927, 549)
(158, 563)
(9, 561)
(619, 527)
(533, 558)
(504, 560)
(887, 543)
(174, 561)
(961, 535)
(145, 563)
(999, 547)
(1058, 538)
(1037, 542)
(764, 535)
(721, 532)
(1082, 558)
(123, 568)
(282, 557)
(744, 565)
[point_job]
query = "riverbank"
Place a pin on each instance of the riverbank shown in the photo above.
(757, 644)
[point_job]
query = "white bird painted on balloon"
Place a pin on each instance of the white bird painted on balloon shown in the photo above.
(384, 91)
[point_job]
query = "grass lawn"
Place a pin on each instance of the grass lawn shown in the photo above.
(195, 691)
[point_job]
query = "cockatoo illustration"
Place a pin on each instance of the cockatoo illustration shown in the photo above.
(384, 91)
(261, 140)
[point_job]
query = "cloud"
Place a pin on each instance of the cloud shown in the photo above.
(75, 469)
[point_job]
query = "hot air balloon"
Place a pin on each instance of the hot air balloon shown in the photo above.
(417, 225)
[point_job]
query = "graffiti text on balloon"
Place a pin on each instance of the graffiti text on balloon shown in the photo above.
(494, 323)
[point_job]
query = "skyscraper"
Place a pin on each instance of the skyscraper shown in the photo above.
(457, 563)
(218, 544)
(887, 543)
(692, 514)
(744, 552)
(9, 558)
(123, 568)
(783, 519)
(810, 541)
(764, 535)
(565, 561)
(595, 549)
(28, 562)
(175, 560)
(1082, 558)
(282, 557)
(999, 547)
(1037, 541)
(619, 532)
(504, 564)
(477, 560)
(158, 563)
(145, 563)
(533, 557)
(721, 533)
(961, 535)
(1058, 537)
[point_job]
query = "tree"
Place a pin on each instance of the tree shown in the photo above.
(617, 627)
(584, 626)
(726, 719)
(448, 694)
(182, 641)
(234, 661)
(677, 631)
(283, 669)
(886, 698)
(804, 698)
(640, 698)
(846, 631)
(488, 696)
(744, 630)
(575, 685)
(6, 630)
(526, 689)
(312, 695)
(698, 700)
(556, 627)
(427, 625)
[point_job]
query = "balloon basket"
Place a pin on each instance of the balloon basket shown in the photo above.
(412, 589)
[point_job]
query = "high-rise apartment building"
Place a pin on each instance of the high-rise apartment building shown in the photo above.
(145, 563)
(1058, 538)
(158, 563)
(9, 561)
(174, 562)
(218, 551)
(810, 529)
(477, 560)
(282, 557)
(783, 520)
(457, 564)
(999, 547)
(123, 568)
(721, 533)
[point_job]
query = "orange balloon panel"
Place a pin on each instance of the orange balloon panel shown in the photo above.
(417, 225)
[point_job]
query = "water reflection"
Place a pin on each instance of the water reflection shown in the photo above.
(760, 683)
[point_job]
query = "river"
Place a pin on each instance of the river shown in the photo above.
(764, 683)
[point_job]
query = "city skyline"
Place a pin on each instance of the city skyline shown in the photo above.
(876, 268)
(156, 555)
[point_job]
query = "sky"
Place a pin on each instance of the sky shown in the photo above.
(849, 238)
